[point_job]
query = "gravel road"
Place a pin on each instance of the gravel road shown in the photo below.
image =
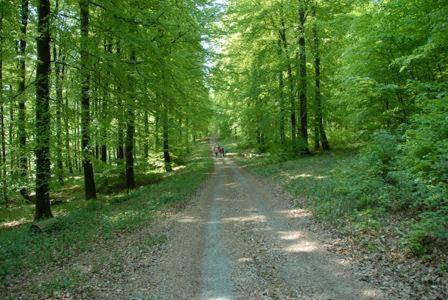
(240, 239)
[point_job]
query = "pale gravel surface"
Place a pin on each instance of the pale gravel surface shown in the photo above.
(241, 240)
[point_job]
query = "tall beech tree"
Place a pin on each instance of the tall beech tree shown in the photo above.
(130, 129)
(89, 179)
(43, 171)
(59, 70)
(320, 137)
(3, 173)
(302, 15)
(24, 15)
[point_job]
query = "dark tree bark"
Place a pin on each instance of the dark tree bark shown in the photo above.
(120, 131)
(130, 130)
(292, 101)
(303, 81)
(43, 175)
(77, 139)
(146, 140)
(166, 144)
(23, 162)
(319, 130)
(59, 68)
(67, 137)
(105, 122)
(89, 179)
(120, 138)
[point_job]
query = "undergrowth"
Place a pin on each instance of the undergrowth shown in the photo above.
(363, 192)
(79, 224)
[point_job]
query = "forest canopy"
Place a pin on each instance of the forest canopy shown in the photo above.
(296, 77)
(97, 87)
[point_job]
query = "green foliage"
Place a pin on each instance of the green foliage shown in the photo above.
(75, 231)
(384, 90)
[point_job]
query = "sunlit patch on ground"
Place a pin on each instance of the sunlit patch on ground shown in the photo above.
(245, 259)
(14, 223)
(343, 262)
(302, 246)
(305, 175)
(178, 168)
(187, 220)
(258, 218)
(291, 235)
(295, 213)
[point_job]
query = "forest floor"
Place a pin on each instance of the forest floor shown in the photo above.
(240, 237)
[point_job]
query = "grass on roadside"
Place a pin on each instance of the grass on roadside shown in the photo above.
(336, 189)
(81, 223)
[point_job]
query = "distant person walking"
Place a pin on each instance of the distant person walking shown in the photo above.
(216, 151)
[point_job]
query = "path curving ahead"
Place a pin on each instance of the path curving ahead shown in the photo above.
(239, 239)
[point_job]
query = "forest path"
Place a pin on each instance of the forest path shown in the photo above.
(241, 240)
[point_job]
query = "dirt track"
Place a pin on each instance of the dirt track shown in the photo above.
(240, 240)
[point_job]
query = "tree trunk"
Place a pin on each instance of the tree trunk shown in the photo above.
(67, 137)
(281, 86)
(43, 175)
(105, 113)
(59, 69)
(293, 118)
(78, 138)
(4, 181)
(303, 81)
(120, 138)
(23, 162)
(89, 180)
(120, 135)
(156, 132)
(59, 79)
(12, 151)
(319, 131)
(130, 130)
(166, 147)
(145, 137)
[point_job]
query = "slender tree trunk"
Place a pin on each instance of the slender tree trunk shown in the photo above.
(281, 86)
(130, 131)
(105, 113)
(145, 137)
(292, 101)
(43, 175)
(4, 181)
(23, 163)
(156, 131)
(89, 179)
(303, 80)
(282, 109)
(78, 137)
(67, 137)
(120, 125)
(59, 79)
(12, 152)
(319, 131)
(166, 145)
(120, 138)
